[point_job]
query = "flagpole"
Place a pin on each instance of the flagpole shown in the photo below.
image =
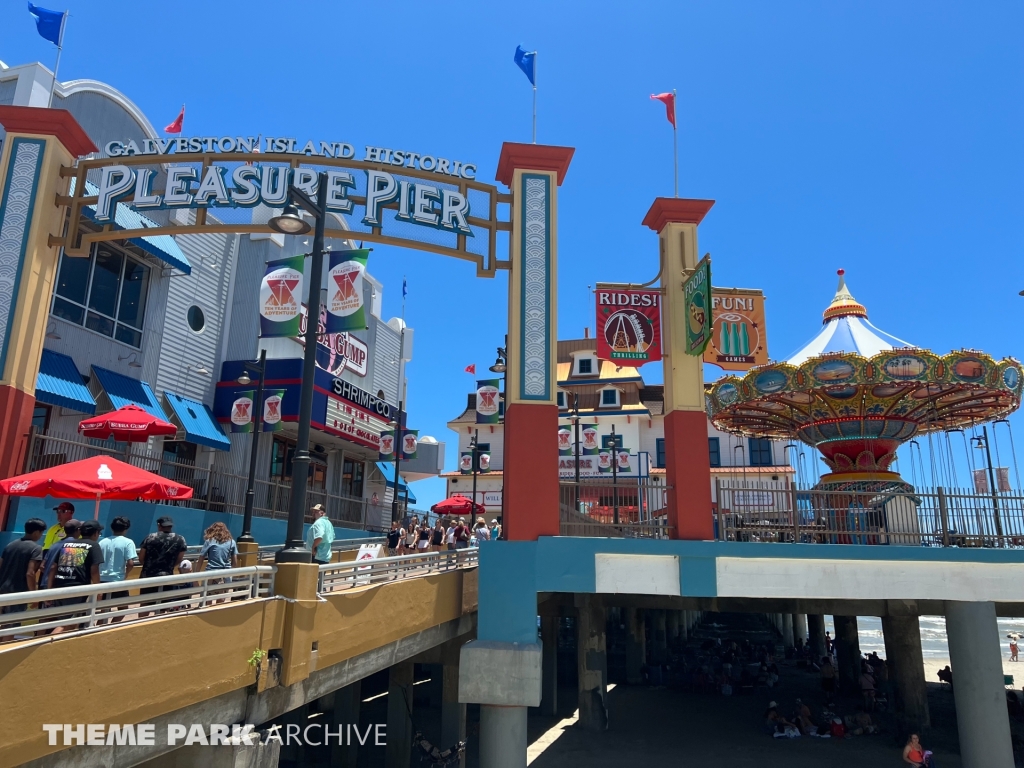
(183, 123)
(534, 99)
(56, 66)
(675, 145)
(400, 419)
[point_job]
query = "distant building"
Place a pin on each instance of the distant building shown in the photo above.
(612, 396)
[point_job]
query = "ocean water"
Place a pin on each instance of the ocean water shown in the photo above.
(933, 635)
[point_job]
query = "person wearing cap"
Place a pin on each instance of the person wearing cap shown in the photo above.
(65, 511)
(320, 535)
(482, 532)
(773, 721)
(72, 529)
(161, 552)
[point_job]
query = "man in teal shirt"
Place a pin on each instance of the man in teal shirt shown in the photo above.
(320, 535)
(119, 555)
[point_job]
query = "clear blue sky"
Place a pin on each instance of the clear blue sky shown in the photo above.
(880, 137)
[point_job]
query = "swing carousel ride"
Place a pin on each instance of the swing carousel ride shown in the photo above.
(857, 393)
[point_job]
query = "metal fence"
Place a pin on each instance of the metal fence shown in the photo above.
(936, 517)
(337, 577)
(90, 608)
(605, 507)
(212, 489)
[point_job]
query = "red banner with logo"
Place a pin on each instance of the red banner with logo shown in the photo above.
(628, 325)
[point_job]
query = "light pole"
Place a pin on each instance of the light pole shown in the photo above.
(576, 438)
(398, 424)
(475, 454)
(257, 423)
(501, 366)
(979, 443)
(291, 223)
(615, 477)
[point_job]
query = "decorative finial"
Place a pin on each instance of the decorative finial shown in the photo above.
(843, 304)
(840, 272)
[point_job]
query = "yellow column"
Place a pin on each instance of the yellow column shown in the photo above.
(687, 463)
(533, 173)
(38, 144)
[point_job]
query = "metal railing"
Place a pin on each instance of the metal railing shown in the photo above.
(212, 489)
(93, 607)
(936, 517)
(337, 577)
(267, 553)
(606, 507)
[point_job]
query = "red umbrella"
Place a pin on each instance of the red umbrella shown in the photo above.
(458, 505)
(99, 476)
(129, 423)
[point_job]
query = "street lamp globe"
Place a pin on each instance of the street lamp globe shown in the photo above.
(244, 378)
(498, 367)
(289, 222)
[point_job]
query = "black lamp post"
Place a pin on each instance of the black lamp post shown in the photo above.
(398, 424)
(578, 447)
(257, 424)
(475, 454)
(291, 223)
(501, 366)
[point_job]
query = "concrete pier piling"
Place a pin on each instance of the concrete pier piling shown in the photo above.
(847, 654)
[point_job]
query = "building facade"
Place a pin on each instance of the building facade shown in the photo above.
(603, 398)
(169, 322)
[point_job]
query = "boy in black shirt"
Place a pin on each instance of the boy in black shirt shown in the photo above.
(20, 562)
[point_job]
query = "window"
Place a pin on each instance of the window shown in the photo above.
(585, 365)
(196, 318)
(41, 418)
(659, 453)
(714, 452)
(609, 397)
(179, 451)
(106, 293)
(281, 454)
(560, 399)
(760, 449)
(352, 478)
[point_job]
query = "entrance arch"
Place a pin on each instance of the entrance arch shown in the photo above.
(47, 161)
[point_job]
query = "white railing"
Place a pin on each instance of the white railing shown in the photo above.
(336, 577)
(93, 607)
(268, 552)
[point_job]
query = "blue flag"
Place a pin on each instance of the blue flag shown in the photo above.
(405, 287)
(527, 61)
(48, 23)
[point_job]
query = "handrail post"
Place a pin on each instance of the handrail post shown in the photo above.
(943, 516)
(796, 511)
(721, 517)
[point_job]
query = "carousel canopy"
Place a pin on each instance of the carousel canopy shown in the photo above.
(846, 329)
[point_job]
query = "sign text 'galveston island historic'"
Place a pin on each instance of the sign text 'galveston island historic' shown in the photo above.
(248, 184)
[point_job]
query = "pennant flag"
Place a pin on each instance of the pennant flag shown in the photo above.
(178, 123)
(405, 287)
(590, 446)
(466, 462)
(471, 369)
(241, 411)
(345, 310)
(669, 100)
(272, 414)
(487, 401)
(281, 297)
(410, 442)
(527, 61)
(387, 446)
(49, 24)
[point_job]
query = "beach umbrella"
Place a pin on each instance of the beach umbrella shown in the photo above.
(458, 505)
(128, 424)
(99, 477)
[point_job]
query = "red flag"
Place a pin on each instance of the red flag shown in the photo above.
(471, 369)
(669, 100)
(175, 127)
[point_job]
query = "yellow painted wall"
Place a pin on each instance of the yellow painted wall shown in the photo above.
(684, 375)
(137, 672)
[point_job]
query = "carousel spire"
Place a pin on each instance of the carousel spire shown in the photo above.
(843, 304)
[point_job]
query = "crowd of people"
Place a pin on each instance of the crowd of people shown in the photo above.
(445, 534)
(71, 553)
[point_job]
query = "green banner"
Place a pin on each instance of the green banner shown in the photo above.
(483, 462)
(697, 301)
(281, 297)
(410, 442)
(588, 437)
(345, 311)
(564, 441)
(241, 411)
(387, 446)
(488, 401)
(604, 461)
(272, 421)
(466, 462)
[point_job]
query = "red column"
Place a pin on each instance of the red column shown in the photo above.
(531, 472)
(688, 474)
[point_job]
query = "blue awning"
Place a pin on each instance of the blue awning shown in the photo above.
(60, 383)
(198, 422)
(388, 470)
(162, 247)
(124, 390)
